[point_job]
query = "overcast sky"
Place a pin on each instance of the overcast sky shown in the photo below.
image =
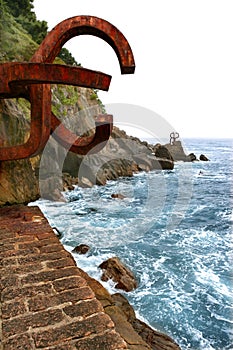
(183, 51)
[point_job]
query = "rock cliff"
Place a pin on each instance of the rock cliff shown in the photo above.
(18, 183)
(177, 152)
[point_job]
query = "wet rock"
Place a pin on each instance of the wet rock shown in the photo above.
(203, 158)
(177, 152)
(123, 155)
(69, 182)
(85, 182)
(81, 249)
(161, 163)
(143, 162)
(117, 195)
(119, 273)
(161, 151)
(192, 157)
(155, 339)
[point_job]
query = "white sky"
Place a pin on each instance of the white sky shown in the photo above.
(183, 51)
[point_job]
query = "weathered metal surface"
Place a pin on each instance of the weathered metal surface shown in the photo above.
(19, 75)
(80, 25)
(87, 144)
(32, 81)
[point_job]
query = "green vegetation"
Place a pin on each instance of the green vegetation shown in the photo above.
(23, 14)
(20, 34)
(16, 43)
(63, 98)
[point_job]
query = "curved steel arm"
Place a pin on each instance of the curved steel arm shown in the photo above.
(19, 82)
(80, 25)
(85, 144)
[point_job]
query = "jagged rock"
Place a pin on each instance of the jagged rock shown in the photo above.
(85, 182)
(155, 339)
(161, 151)
(117, 195)
(122, 156)
(192, 157)
(166, 164)
(115, 270)
(203, 158)
(18, 183)
(69, 182)
(161, 163)
(81, 249)
(142, 161)
(177, 152)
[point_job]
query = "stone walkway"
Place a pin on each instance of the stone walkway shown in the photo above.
(45, 303)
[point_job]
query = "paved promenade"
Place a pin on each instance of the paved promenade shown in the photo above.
(45, 303)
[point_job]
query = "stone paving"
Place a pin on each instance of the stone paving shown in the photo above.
(45, 302)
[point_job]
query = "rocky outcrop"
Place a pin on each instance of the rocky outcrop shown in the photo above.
(18, 183)
(203, 158)
(177, 152)
(118, 196)
(115, 270)
(155, 339)
(123, 156)
(161, 151)
(81, 249)
(136, 333)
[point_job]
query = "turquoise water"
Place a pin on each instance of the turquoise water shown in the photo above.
(174, 230)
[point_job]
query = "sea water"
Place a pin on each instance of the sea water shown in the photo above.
(173, 229)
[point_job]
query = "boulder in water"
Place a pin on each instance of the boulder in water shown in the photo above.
(203, 158)
(177, 152)
(115, 270)
(161, 151)
(117, 195)
(192, 157)
(81, 249)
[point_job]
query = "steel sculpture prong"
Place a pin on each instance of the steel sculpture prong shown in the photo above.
(32, 81)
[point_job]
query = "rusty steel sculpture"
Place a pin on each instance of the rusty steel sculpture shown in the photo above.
(173, 137)
(32, 81)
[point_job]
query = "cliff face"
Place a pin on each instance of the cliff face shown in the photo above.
(18, 183)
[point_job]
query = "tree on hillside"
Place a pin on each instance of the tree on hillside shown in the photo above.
(20, 7)
(22, 11)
